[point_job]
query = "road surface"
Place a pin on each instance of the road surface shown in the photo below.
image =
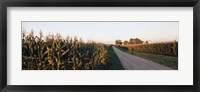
(132, 62)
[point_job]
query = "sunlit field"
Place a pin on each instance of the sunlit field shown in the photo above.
(99, 45)
(162, 48)
(55, 53)
(165, 53)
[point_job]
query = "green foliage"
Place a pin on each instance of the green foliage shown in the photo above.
(55, 53)
(114, 63)
(169, 61)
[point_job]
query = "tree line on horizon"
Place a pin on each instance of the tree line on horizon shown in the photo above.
(131, 41)
(162, 48)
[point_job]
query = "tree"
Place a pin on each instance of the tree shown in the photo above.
(125, 42)
(138, 41)
(135, 41)
(118, 42)
(131, 41)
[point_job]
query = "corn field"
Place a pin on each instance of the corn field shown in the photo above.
(165, 48)
(56, 53)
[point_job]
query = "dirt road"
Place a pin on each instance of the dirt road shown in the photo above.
(131, 62)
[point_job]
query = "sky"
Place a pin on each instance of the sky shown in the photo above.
(108, 32)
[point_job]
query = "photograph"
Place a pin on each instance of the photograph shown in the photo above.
(106, 45)
(99, 45)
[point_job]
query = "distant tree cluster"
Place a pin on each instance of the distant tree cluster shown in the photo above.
(118, 42)
(131, 41)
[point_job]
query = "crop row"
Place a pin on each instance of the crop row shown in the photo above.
(55, 53)
(165, 48)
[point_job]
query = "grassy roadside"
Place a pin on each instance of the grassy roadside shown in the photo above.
(114, 63)
(169, 61)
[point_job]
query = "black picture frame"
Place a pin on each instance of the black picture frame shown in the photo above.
(99, 3)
